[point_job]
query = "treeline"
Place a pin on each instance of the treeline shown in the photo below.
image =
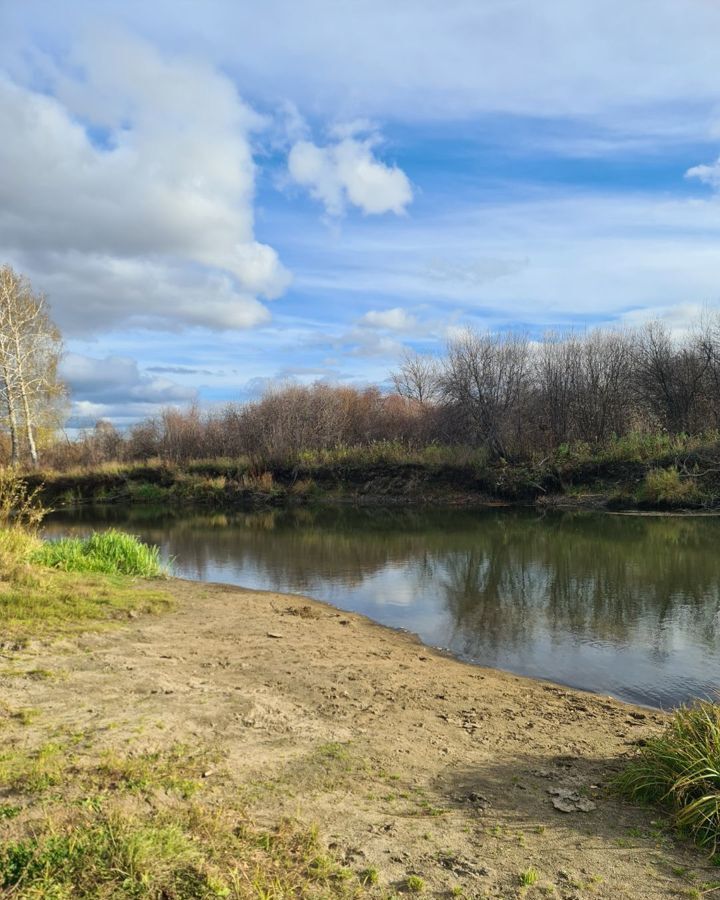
(503, 392)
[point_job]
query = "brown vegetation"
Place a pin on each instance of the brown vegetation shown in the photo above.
(497, 391)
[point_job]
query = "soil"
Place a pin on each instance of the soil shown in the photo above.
(407, 760)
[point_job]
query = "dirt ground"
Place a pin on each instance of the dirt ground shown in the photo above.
(408, 761)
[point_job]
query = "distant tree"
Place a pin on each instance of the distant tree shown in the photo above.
(484, 377)
(602, 384)
(555, 375)
(30, 351)
(671, 376)
(107, 440)
(418, 378)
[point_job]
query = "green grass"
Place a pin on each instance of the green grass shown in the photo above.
(33, 772)
(125, 828)
(680, 770)
(105, 552)
(145, 860)
(145, 492)
(69, 585)
(529, 877)
(191, 856)
(415, 884)
(56, 602)
(171, 770)
(369, 876)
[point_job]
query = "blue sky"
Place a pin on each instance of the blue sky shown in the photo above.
(216, 196)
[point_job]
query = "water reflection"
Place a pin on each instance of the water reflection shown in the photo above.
(622, 605)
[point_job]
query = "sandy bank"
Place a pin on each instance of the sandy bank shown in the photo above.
(409, 761)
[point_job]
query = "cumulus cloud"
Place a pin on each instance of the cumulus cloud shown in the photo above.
(116, 388)
(708, 174)
(96, 292)
(133, 179)
(396, 319)
(348, 171)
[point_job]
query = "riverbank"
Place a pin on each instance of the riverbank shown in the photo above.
(421, 772)
(637, 472)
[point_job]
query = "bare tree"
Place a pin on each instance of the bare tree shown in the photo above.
(602, 385)
(555, 374)
(670, 376)
(418, 378)
(708, 342)
(485, 376)
(30, 352)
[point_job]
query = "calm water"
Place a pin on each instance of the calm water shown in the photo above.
(620, 605)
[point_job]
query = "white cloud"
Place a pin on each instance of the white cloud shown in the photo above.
(474, 272)
(138, 173)
(397, 319)
(348, 171)
(708, 174)
(366, 344)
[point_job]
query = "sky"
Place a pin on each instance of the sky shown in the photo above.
(223, 195)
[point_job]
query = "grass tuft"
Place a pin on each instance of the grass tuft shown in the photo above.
(680, 770)
(415, 884)
(529, 877)
(107, 553)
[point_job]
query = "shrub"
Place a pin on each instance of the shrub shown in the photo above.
(144, 492)
(107, 552)
(680, 769)
(666, 487)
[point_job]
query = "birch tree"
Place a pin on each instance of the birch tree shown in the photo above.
(30, 351)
